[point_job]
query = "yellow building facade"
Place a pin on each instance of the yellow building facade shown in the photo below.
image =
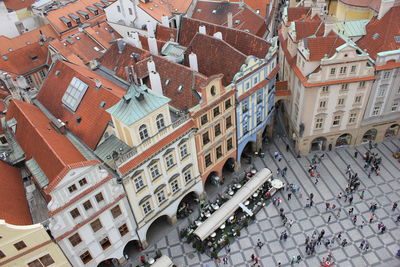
(28, 245)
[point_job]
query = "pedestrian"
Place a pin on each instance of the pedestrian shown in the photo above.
(316, 180)
(371, 219)
(339, 236)
(344, 242)
(380, 225)
(351, 200)
(340, 195)
(338, 213)
(383, 229)
(329, 218)
(366, 247)
(287, 147)
(260, 244)
(257, 260)
(279, 264)
(292, 260)
(362, 194)
(252, 257)
(327, 205)
(354, 219)
(362, 224)
(398, 219)
(394, 206)
(355, 154)
(225, 260)
(351, 211)
(362, 244)
(278, 171)
(289, 196)
(285, 236)
(307, 240)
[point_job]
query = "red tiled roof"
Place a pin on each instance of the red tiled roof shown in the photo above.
(224, 60)
(83, 47)
(9, 44)
(177, 74)
(14, 207)
(159, 8)
(242, 17)
(94, 118)
(260, 5)
(52, 151)
(103, 33)
(18, 4)
(374, 4)
(165, 33)
(321, 46)
(25, 59)
(297, 13)
(381, 33)
(246, 43)
(310, 27)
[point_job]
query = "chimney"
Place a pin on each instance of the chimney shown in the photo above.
(202, 29)
(155, 79)
(136, 40)
(193, 61)
(121, 46)
(98, 83)
(165, 21)
(230, 20)
(218, 35)
(152, 45)
(150, 29)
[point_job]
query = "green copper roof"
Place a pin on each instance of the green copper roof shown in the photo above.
(138, 102)
(351, 28)
(37, 172)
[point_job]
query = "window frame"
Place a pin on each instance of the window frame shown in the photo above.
(154, 171)
(336, 120)
(136, 182)
(73, 211)
(116, 211)
(183, 148)
(87, 252)
(146, 207)
(20, 245)
(208, 160)
(143, 132)
(103, 243)
(169, 161)
(96, 225)
(75, 239)
(160, 122)
(87, 207)
(97, 197)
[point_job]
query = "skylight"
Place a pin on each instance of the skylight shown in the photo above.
(397, 38)
(74, 93)
(375, 36)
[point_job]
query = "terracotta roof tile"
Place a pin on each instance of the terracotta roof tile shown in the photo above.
(9, 44)
(260, 5)
(321, 46)
(374, 4)
(14, 207)
(102, 33)
(242, 17)
(310, 27)
(381, 33)
(246, 43)
(159, 8)
(72, 8)
(297, 13)
(18, 4)
(165, 33)
(39, 140)
(93, 118)
(225, 60)
(24, 59)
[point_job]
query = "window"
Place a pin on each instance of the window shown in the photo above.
(175, 186)
(343, 70)
(75, 239)
(228, 103)
(318, 123)
(376, 110)
(382, 91)
(119, 9)
(336, 120)
(395, 105)
(361, 84)
(74, 93)
(259, 117)
(99, 197)
(218, 152)
(340, 102)
(333, 71)
(245, 106)
(35, 263)
(325, 89)
(138, 183)
(245, 127)
(229, 144)
(20, 245)
(75, 213)
(255, 80)
(169, 160)
(183, 150)
(217, 129)
(154, 171)
(146, 207)
(247, 86)
(345, 86)
(96, 225)
(87, 205)
(116, 211)
(259, 96)
(160, 122)
(207, 160)
(353, 69)
(86, 257)
(187, 175)
(204, 119)
(386, 75)
(206, 138)
(357, 99)
(322, 104)
(72, 188)
(45, 260)
(130, 11)
(216, 111)
(2, 255)
(352, 118)
(29, 80)
(228, 122)
(212, 90)
(82, 182)
(143, 132)
(123, 229)
(161, 196)
(105, 243)
(42, 74)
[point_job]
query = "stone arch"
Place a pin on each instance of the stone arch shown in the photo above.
(246, 147)
(318, 144)
(392, 131)
(155, 228)
(343, 140)
(369, 135)
(186, 204)
(112, 262)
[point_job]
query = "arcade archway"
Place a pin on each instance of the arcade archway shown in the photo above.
(318, 144)
(392, 131)
(343, 140)
(369, 135)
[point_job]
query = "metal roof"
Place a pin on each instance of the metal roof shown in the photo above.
(351, 28)
(138, 102)
(37, 172)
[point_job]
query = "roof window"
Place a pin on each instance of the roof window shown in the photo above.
(397, 38)
(99, 5)
(67, 21)
(375, 36)
(214, 11)
(180, 88)
(74, 93)
(167, 81)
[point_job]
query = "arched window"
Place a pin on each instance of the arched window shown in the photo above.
(143, 132)
(160, 121)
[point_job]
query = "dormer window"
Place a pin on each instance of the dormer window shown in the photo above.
(83, 14)
(74, 94)
(66, 21)
(75, 18)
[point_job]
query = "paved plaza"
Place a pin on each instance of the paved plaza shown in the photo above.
(383, 189)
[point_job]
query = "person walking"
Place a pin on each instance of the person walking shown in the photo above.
(351, 200)
(351, 211)
(398, 219)
(327, 205)
(394, 206)
(362, 194)
(252, 257)
(362, 244)
(260, 244)
(355, 154)
(292, 260)
(338, 213)
(372, 218)
(225, 260)
(287, 147)
(329, 218)
(298, 259)
(289, 196)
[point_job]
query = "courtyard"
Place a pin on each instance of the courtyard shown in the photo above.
(383, 189)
